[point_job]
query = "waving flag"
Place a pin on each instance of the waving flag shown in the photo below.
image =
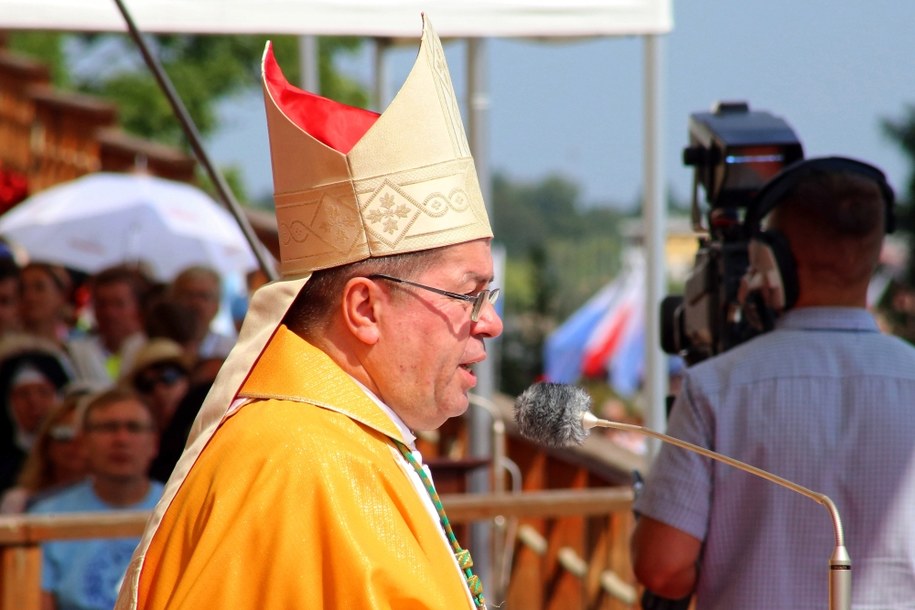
(606, 335)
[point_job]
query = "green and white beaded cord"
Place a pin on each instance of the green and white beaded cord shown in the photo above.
(462, 555)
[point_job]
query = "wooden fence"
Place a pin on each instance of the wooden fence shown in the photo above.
(51, 136)
(561, 547)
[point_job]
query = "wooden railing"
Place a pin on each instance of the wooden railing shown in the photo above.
(20, 553)
(559, 521)
(554, 565)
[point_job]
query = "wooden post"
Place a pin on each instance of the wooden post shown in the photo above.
(64, 137)
(21, 577)
(17, 110)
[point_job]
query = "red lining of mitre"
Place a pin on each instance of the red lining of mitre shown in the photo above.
(337, 125)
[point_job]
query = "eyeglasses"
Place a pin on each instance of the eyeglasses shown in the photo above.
(111, 427)
(477, 299)
(62, 434)
(168, 376)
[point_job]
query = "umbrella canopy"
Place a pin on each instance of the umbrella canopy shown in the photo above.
(105, 219)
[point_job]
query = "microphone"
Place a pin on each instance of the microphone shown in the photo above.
(559, 415)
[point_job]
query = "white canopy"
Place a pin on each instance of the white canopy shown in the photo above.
(400, 18)
(453, 18)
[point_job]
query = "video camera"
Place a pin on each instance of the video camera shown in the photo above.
(734, 151)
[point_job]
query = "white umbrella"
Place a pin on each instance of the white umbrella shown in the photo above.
(104, 219)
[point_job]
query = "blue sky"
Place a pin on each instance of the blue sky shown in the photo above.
(831, 68)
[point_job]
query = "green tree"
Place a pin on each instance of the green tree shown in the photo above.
(897, 304)
(203, 69)
(902, 132)
(559, 253)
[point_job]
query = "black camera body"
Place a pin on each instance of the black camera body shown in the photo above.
(734, 151)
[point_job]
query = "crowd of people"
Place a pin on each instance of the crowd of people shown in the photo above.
(300, 484)
(102, 377)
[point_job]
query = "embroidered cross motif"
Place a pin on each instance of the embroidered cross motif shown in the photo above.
(389, 214)
(337, 223)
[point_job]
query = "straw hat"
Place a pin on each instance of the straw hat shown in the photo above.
(158, 350)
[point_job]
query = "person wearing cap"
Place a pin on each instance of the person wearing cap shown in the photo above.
(33, 373)
(301, 485)
(54, 462)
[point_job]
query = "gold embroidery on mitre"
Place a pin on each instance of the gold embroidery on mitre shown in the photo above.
(445, 91)
(319, 228)
(411, 180)
(419, 206)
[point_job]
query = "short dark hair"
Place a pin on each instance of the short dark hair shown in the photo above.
(140, 284)
(840, 204)
(9, 268)
(195, 272)
(320, 296)
(835, 223)
(113, 395)
(58, 275)
(166, 317)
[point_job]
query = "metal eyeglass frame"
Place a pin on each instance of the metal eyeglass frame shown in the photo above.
(477, 299)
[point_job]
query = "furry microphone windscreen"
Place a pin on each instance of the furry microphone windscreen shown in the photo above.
(550, 414)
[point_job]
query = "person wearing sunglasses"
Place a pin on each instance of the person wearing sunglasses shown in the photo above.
(301, 485)
(161, 375)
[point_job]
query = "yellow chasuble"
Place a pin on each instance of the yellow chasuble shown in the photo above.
(299, 500)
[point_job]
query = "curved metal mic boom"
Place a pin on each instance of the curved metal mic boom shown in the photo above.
(839, 562)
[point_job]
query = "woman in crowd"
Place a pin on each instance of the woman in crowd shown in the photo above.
(33, 374)
(45, 308)
(55, 461)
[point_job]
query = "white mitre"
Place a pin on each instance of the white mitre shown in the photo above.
(350, 184)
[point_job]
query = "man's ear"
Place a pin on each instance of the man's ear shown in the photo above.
(361, 303)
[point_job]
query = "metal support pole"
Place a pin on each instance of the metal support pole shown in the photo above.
(190, 130)
(381, 94)
(481, 422)
(309, 74)
(655, 220)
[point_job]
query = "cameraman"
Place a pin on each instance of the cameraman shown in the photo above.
(824, 400)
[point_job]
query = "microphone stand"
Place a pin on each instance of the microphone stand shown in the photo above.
(839, 562)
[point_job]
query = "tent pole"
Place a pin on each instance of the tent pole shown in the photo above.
(380, 85)
(654, 213)
(190, 130)
(310, 78)
(481, 422)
